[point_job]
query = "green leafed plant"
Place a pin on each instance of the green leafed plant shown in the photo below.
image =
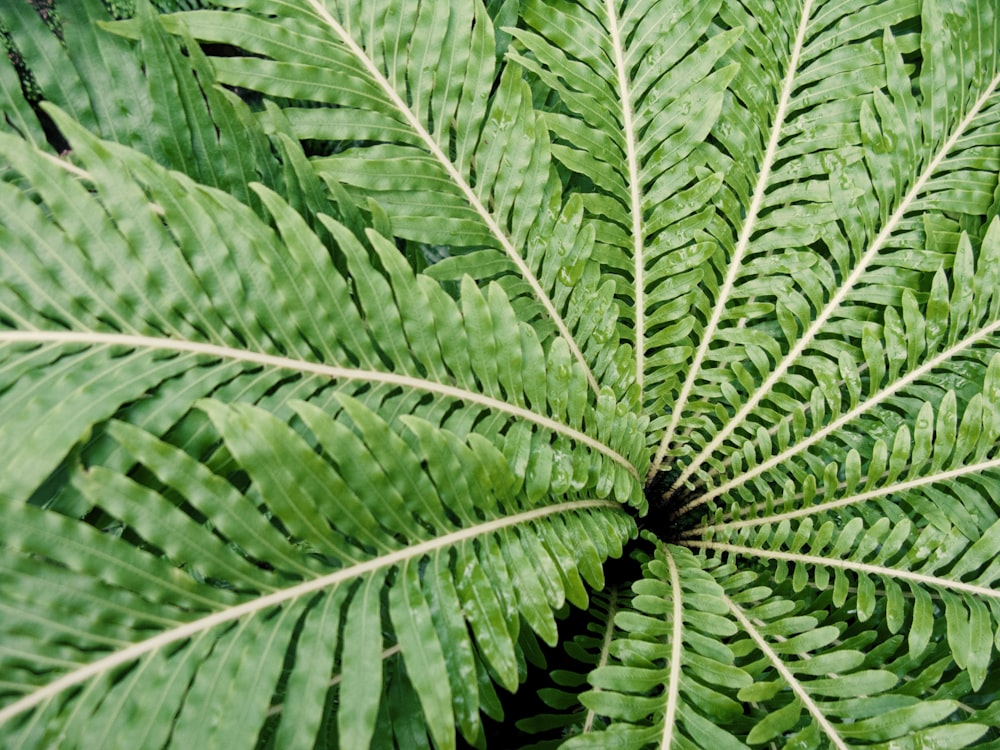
(342, 342)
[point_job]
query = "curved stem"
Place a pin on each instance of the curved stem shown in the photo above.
(923, 481)
(676, 646)
(254, 606)
(341, 373)
(609, 632)
(790, 679)
(830, 562)
(460, 181)
(635, 193)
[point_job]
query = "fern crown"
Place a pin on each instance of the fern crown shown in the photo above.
(343, 343)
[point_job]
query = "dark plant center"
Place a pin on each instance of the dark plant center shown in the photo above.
(662, 518)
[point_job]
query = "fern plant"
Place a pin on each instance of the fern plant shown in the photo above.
(322, 405)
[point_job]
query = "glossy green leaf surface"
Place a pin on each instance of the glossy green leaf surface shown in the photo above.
(343, 344)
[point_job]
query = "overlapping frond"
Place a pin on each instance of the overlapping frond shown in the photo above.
(135, 293)
(770, 150)
(669, 663)
(565, 714)
(939, 353)
(823, 679)
(895, 567)
(149, 96)
(294, 562)
(182, 311)
(874, 238)
(409, 126)
(329, 328)
(851, 315)
(639, 91)
(763, 662)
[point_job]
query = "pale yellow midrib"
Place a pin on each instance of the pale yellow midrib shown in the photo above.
(609, 631)
(866, 405)
(187, 630)
(635, 194)
(270, 360)
(876, 570)
(742, 244)
(676, 653)
(861, 497)
(463, 185)
(790, 679)
(845, 288)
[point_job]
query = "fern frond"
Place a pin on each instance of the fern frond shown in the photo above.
(667, 681)
(476, 171)
(799, 669)
(977, 107)
(43, 56)
(159, 99)
(286, 515)
(949, 344)
(588, 650)
(934, 477)
(284, 332)
(17, 111)
(753, 141)
(649, 190)
(335, 337)
(893, 581)
(178, 291)
(792, 654)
